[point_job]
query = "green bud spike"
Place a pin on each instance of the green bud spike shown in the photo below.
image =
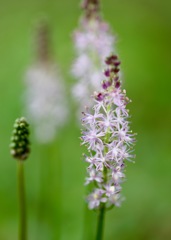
(20, 145)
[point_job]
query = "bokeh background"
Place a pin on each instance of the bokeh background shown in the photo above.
(55, 173)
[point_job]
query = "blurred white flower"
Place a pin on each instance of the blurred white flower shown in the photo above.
(45, 96)
(93, 42)
(45, 101)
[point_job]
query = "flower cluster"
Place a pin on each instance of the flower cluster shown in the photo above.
(20, 145)
(93, 42)
(108, 139)
(45, 94)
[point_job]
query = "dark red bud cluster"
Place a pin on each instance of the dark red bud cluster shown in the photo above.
(114, 63)
(91, 7)
(43, 41)
(86, 3)
(111, 60)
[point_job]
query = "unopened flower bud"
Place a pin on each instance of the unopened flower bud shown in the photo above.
(117, 63)
(99, 97)
(117, 84)
(20, 145)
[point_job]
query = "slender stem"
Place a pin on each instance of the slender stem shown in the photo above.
(100, 224)
(22, 202)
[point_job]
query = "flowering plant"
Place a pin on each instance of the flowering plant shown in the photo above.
(108, 139)
(93, 42)
(45, 93)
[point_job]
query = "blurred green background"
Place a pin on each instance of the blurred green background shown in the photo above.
(55, 173)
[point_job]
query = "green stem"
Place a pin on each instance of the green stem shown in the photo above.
(100, 224)
(22, 202)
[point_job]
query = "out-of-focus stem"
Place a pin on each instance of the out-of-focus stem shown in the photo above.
(22, 202)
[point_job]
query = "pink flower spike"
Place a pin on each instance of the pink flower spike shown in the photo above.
(109, 142)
